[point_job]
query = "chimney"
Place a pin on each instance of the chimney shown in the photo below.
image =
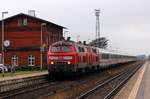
(31, 13)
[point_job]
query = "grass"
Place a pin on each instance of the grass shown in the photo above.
(19, 72)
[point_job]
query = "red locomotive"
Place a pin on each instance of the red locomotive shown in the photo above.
(68, 56)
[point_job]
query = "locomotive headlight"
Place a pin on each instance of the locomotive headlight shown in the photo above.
(67, 57)
(52, 62)
(53, 58)
(69, 62)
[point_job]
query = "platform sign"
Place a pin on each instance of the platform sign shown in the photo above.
(42, 49)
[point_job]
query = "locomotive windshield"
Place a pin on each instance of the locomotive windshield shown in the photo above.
(60, 49)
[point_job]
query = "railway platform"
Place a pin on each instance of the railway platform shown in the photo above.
(138, 87)
(21, 76)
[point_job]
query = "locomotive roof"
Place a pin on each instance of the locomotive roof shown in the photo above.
(62, 42)
(67, 43)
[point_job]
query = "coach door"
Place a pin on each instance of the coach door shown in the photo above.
(14, 60)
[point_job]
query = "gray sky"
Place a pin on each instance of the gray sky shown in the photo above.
(126, 23)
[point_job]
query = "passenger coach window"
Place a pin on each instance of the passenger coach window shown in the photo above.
(105, 56)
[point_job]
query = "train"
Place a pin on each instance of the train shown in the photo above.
(68, 56)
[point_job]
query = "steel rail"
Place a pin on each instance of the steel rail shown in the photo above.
(89, 92)
(112, 93)
(27, 88)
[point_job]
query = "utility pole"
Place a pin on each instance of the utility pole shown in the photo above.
(42, 48)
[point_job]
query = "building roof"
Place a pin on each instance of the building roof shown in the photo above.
(44, 21)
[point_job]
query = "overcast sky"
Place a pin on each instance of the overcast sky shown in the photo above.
(126, 23)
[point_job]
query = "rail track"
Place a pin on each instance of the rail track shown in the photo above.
(50, 89)
(15, 87)
(110, 87)
(38, 89)
(87, 83)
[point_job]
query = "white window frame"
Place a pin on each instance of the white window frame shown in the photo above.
(25, 22)
(22, 22)
(14, 60)
(31, 60)
(19, 22)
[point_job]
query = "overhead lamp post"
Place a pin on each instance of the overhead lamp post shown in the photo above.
(97, 14)
(42, 48)
(3, 59)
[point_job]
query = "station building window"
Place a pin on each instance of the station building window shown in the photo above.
(31, 60)
(14, 60)
(22, 22)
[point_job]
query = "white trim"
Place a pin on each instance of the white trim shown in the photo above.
(31, 60)
(14, 60)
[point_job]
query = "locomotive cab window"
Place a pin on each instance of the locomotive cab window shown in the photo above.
(60, 49)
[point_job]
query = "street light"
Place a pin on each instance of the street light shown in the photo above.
(42, 48)
(3, 37)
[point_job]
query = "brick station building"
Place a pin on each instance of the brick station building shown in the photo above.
(22, 35)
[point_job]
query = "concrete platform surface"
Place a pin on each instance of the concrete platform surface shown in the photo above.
(138, 87)
(144, 89)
